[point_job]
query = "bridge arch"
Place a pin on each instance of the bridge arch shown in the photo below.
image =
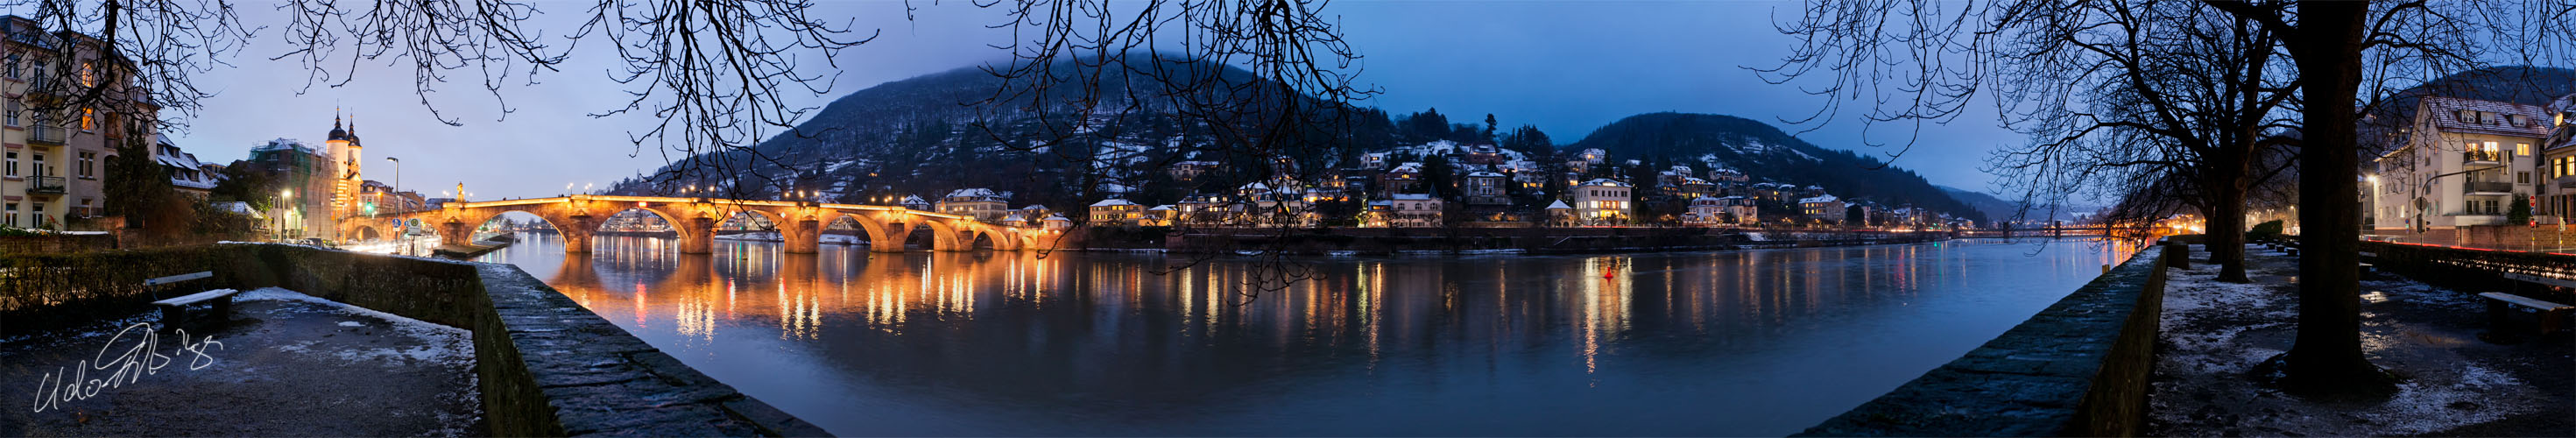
(945, 236)
(881, 235)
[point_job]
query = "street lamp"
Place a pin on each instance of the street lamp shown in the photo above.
(398, 184)
(284, 196)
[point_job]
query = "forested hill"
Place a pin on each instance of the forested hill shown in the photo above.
(1708, 141)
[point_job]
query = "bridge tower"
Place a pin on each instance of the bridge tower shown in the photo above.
(345, 149)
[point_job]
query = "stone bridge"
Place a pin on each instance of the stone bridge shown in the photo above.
(696, 220)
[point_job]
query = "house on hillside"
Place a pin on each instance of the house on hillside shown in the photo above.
(979, 203)
(1115, 211)
(1826, 207)
(1602, 201)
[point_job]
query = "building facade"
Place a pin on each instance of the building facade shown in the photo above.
(1601, 202)
(2558, 164)
(58, 135)
(979, 203)
(2462, 165)
(307, 177)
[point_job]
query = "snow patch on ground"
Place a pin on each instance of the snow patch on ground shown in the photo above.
(439, 343)
(2215, 332)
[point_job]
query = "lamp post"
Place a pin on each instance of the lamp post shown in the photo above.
(284, 197)
(397, 193)
(2418, 202)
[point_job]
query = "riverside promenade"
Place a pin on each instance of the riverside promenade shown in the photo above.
(2453, 384)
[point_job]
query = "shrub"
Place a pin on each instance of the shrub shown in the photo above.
(2266, 229)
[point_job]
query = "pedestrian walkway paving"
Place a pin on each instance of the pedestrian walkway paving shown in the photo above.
(2453, 384)
(286, 364)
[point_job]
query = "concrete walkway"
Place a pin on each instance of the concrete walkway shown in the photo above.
(2454, 384)
(285, 365)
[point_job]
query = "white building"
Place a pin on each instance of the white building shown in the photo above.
(1825, 207)
(979, 203)
(1601, 201)
(1414, 210)
(1115, 211)
(2461, 166)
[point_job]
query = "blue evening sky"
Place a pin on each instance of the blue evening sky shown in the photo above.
(1567, 67)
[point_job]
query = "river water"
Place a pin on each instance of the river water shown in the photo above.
(1762, 342)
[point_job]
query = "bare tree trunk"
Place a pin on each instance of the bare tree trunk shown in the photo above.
(2326, 357)
(2226, 232)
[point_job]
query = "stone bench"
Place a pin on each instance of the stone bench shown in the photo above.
(174, 311)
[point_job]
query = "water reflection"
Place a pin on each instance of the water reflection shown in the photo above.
(1740, 343)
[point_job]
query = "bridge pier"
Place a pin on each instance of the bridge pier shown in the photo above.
(892, 240)
(576, 231)
(457, 233)
(698, 237)
(802, 235)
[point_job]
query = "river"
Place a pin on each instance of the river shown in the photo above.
(1762, 342)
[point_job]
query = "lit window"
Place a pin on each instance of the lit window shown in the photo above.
(89, 119)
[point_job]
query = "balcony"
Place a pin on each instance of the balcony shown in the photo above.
(46, 134)
(2490, 188)
(45, 185)
(2482, 157)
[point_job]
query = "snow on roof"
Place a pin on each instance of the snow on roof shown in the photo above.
(1057, 217)
(240, 207)
(974, 193)
(1605, 182)
(1111, 202)
(2534, 121)
(910, 199)
(283, 143)
(1160, 207)
(1256, 185)
(1411, 197)
(1484, 174)
(1558, 204)
(1013, 217)
(1825, 198)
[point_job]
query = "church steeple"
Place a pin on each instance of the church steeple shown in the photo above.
(337, 133)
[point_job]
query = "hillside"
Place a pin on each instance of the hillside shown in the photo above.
(919, 137)
(1710, 141)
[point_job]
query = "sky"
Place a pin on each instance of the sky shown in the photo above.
(1566, 67)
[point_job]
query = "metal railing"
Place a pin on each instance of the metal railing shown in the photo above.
(43, 133)
(2490, 187)
(2485, 156)
(45, 184)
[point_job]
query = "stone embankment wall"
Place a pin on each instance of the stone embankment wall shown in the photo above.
(2079, 368)
(548, 366)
